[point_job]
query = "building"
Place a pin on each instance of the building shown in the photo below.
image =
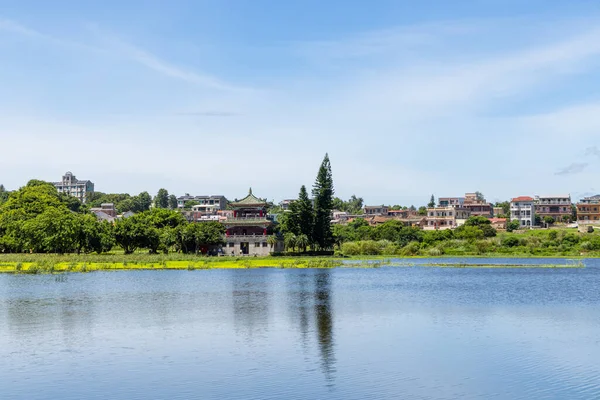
(497, 211)
(211, 204)
(74, 187)
(246, 231)
(448, 217)
(522, 209)
(285, 204)
(107, 208)
(588, 210)
(375, 210)
(557, 207)
(498, 223)
(451, 201)
(478, 207)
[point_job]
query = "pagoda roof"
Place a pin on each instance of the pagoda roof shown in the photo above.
(249, 201)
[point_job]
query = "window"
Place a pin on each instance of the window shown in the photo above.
(230, 244)
(264, 244)
(257, 244)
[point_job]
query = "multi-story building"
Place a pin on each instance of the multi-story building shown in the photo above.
(210, 204)
(451, 201)
(522, 209)
(246, 231)
(375, 210)
(557, 207)
(448, 217)
(588, 210)
(478, 207)
(76, 188)
(497, 211)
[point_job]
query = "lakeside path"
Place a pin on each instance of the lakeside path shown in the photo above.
(37, 263)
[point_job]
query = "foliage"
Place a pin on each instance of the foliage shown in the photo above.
(353, 206)
(513, 225)
(431, 203)
(422, 211)
(173, 202)
(161, 200)
(548, 220)
(322, 236)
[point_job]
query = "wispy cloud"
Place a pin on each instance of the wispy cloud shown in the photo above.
(573, 168)
(592, 151)
(149, 60)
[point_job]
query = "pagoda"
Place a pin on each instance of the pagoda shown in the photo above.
(246, 231)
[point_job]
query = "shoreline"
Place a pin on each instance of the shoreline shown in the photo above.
(39, 264)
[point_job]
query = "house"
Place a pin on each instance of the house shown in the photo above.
(285, 204)
(498, 223)
(339, 217)
(401, 213)
(522, 209)
(375, 210)
(102, 216)
(450, 201)
(212, 203)
(106, 208)
(74, 187)
(246, 231)
(446, 217)
(588, 210)
(477, 206)
(557, 207)
(497, 211)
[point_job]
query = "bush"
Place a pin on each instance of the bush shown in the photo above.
(468, 233)
(513, 225)
(411, 249)
(510, 241)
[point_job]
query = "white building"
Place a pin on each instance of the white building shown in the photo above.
(213, 203)
(522, 209)
(447, 217)
(76, 188)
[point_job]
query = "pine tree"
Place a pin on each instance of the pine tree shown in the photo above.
(322, 235)
(306, 213)
(431, 202)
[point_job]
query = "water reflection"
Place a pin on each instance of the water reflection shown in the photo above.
(251, 298)
(324, 322)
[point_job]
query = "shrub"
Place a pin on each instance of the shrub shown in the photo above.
(468, 233)
(510, 241)
(513, 225)
(411, 249)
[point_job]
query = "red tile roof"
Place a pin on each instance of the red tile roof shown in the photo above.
(523, 198)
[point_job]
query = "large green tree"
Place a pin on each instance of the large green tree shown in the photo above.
(322, 235)
(162, 199)
(431, 203)
(173, 202)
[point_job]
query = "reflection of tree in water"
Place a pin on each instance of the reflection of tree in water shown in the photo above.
(324, 321)
(250, 302)
(299, 295)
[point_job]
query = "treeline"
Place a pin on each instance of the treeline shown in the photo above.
(476, 237)
(36, 218)
(124, 202)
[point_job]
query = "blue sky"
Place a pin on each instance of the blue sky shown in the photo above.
(211, 97)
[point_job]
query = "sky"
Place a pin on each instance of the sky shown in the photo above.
(408, 98)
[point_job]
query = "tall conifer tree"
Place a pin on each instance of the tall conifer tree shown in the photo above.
(323, 198)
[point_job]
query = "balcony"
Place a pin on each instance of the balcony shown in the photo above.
(250, 220)
(246, 238)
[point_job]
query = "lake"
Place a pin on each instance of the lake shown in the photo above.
(346, 333)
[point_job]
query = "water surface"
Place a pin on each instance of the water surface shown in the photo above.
(390, 332)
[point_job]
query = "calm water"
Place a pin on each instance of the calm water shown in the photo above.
(410, 333)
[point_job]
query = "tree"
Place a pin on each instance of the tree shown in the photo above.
(142, 202)
(513, 225)
(188, 204)
(431, 203)
(162, 199)
(289, 241)
(302, 242)
(422, 211)
(3, 194)
(548, 220)
(272, 241)
(172, 202)
(479, 196)
(305, 213)
(193, 236)
(323, 192)
(482, 223)
(130, 234)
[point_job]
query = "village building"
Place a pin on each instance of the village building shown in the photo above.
(588, 210)
(557, 207)
(208, 204)
(522, 209)
(498, 223)
(497, 211)
(446, 217)
(451, 201)
(246, 230)
(477, 206)
(375, 210)
(74, 187)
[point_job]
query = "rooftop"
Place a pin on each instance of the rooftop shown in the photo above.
(250, 200)
(522, 198)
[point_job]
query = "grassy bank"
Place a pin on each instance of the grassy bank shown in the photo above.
(53, 263)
